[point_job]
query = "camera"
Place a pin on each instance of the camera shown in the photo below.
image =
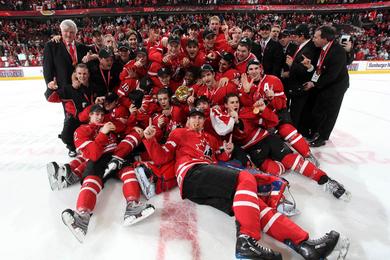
(345, 38)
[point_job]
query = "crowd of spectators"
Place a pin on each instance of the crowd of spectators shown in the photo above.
(71, 4)
(22, 40)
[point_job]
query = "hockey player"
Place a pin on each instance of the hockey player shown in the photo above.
(231, 191)
(210, 87)
(270, 89)
(250, 133)
(96, 141)
(169, 117)
(226, 71)
(243, 54)
(81, 94)
(164, 80)
(132, 72)
(195, 57)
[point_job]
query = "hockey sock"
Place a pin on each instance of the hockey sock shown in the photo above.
(279, 226)
(272, 167)
(245, 205)
(90, 188)
(80, 169)
(296, 163)
(77, 166)
(290, 134)
(128, 144)
(130, 189)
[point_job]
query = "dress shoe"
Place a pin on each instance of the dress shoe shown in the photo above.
(312, 137)
(317, 142)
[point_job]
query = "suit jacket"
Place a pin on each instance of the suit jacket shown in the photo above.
(334, 79)
(57, 62)
(298, 73)
(256, 50)
(289, 50)
(273, 58)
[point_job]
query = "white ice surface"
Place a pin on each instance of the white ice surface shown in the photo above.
(358, 155)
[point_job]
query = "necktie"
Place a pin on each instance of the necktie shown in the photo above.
(262, 43)
(322, 54)
(72, 53)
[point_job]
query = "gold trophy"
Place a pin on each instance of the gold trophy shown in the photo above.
(182, 93)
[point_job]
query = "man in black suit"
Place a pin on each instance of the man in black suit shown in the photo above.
(289, 48)
(272, 52)
(248, 32)
(300, 72)
(331, 80)
(59, 60)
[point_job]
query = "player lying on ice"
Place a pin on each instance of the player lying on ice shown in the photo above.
(249, 131)
(96, 142)
(232, 191)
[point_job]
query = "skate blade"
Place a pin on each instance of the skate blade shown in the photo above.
(314, 161)
(346, 197)
(148, 189)
(292, 213)
(340, 251)
(51, 171)
(246, 258)
(68, 220)
(133, 219)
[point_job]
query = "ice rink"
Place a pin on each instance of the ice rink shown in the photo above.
(358, 155)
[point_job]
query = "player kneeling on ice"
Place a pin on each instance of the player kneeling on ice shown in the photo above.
(195, 153)
(96, 141)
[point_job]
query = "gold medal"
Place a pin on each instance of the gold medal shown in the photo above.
(256, 110)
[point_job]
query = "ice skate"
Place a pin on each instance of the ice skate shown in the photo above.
(144, 180)
(341, 249)
(114, 164)
(311, 158)
(72, 153)
(248, 248)
(137, 211)
(60, 176)
(77, 223)
(316, 249)
(337, 190)
(288, 208)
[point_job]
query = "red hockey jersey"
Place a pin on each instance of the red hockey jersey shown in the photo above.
(187, 148)
(215, 95)
(92, 143)
(254, 126)
(268, 82)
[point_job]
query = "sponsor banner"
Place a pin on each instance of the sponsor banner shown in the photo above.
(11, 73)
(21, 72)
(354, 66)
(378, 65)
(37, 72)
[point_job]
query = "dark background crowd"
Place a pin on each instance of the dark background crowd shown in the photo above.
(65, 5)
(22, 40)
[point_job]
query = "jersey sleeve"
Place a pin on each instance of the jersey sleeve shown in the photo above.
(279, 101)
(162, 154)
(222, 122)
(91, 149)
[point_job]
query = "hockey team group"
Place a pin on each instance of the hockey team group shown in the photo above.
(209, 110)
